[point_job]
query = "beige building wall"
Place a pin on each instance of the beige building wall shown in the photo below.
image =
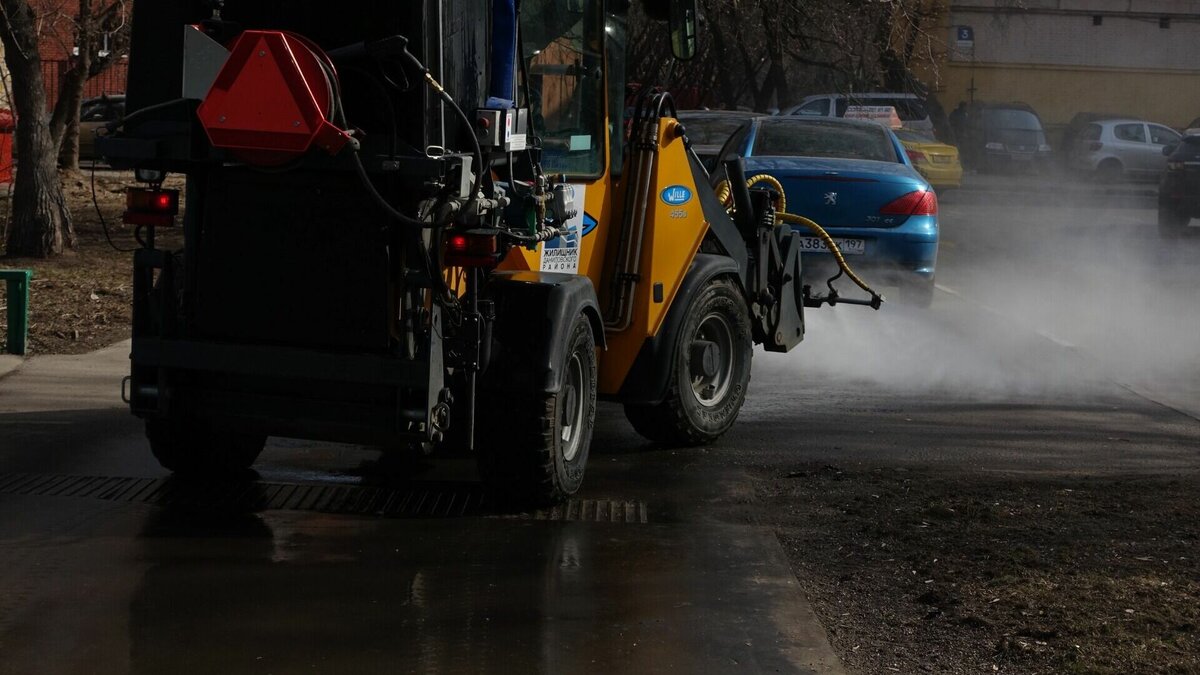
(1133, 57)
(1057, 93)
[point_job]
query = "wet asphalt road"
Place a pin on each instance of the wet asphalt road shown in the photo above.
(1061, 340)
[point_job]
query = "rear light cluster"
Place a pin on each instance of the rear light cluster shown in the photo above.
(151, 207)
(915, 156)
(1095, 146)
(916, 203)
(473, 248)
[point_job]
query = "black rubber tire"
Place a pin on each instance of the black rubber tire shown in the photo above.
(1110, 171)
(917, 292)
(1171, 223)
(194, 449)
(523, 458)
(681, 420)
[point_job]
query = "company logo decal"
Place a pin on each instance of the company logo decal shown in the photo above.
(589, 224)
(676, 195)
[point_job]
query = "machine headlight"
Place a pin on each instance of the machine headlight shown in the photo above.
(1043, 148)
(994, 146)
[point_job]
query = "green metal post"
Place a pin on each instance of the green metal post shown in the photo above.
(17, 282)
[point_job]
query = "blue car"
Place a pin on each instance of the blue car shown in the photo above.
(854, 179)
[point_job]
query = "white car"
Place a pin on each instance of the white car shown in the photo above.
(1114, 149)
(913, 114)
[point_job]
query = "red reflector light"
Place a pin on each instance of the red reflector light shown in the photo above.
(149, 200)
(472, 249)
(148, 206)
(916, 203)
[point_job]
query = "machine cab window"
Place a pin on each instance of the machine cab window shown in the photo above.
(563, 42)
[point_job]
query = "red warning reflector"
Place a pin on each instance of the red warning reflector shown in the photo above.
(271, 101)
(148, 206)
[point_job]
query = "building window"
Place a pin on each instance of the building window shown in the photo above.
(1164, 22)
(1098, 20)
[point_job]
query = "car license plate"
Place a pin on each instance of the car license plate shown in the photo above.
(846, 246)
(941, 159)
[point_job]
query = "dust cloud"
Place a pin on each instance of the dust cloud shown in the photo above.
(1047, 298)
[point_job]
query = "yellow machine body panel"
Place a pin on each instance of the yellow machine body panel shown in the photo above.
(672, 233)
(674, 228)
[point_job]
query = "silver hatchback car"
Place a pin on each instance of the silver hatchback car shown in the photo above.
(1114, 149)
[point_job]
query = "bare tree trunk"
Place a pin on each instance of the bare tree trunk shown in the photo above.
(41, 222)
(68, 153)
(64, 122)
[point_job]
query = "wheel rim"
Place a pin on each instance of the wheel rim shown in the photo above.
(711, 385)
(572, 408)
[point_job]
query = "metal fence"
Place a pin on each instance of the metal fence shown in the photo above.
(110, 81)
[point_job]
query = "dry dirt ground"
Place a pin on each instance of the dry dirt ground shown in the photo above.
(926, 571)
(80, 301)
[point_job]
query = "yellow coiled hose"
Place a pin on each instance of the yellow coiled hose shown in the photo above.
(725, 195)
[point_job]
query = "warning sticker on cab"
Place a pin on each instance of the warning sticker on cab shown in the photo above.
(561, 254)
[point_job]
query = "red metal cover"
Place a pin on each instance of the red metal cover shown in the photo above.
(271, 101)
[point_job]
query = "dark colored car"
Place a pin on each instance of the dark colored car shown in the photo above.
(1179, 191)
(707, 130)
(1002, 136)
(93, 115)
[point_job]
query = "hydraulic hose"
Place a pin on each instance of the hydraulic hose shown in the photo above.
(725, 196)
(794, 219)
(781, 207)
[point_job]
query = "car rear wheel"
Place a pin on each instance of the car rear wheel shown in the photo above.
(1171, 223)
(1110, 171)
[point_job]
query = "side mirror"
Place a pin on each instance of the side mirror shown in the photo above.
(1169, 150)
(684, 23)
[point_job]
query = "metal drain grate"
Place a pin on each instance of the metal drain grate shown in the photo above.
(406, 502)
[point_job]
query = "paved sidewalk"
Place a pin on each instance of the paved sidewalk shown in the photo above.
(77, 382)
(9, 363)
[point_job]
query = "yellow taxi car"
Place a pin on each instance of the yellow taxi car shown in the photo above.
(935, 160)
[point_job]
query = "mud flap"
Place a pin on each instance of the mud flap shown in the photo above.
(534, 313)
